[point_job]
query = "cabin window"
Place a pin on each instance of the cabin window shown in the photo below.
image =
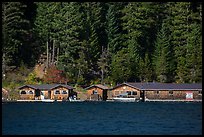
(156, 92)
(23, 92)
(30, 92)
(129, 92)
(171, 92)
(134, 92)
(200, 92)
(95, 91)
(57, 92)
(64, 92)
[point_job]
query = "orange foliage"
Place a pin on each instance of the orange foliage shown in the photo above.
(53, 75)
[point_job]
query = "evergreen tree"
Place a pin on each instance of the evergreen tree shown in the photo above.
(186, 15)
(180, 26)
(70, 38)
(145, 69)
(103, 64)
(120, 66)
(13, 31)
(162, 55)
(113, 28)
(194, 55)
(92, 14)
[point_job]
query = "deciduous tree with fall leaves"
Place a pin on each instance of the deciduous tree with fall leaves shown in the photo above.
(54, 76)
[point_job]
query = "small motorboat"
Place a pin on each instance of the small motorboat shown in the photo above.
(74, 99)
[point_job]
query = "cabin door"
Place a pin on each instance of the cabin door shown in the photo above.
(105, 95)
(37, 93)
(49, 94)
(142, 95)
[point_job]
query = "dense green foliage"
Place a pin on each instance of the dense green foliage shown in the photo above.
(106, 42)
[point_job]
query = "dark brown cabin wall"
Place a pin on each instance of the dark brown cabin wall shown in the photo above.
(196, 95)
(90, 92)
(176, 95)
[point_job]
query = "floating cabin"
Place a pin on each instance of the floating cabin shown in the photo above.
(97, 92)
(159, 91)
(47, 91)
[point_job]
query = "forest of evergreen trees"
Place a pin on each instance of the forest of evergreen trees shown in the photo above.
(106, 42)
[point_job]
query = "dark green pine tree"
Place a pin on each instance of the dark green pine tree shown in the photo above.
(120, 66)
(70, 38)
(132, 23)
(82, 68)
(13, 32)
(194, 46)
(180, 32)
(43, 27)
(103, 63)
(145, 69)
(140, 22)
(92, 25)
(194, 54)
(43, 21)
(162, 55)
(113, 28)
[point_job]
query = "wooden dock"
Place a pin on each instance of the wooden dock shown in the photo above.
(29, 100)
(169, 100)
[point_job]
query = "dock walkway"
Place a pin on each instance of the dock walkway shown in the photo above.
(169, 100)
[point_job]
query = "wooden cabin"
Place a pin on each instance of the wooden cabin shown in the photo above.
(97, 92)
(4, 94)
(133, 91)
(45, 91)
(160, 91)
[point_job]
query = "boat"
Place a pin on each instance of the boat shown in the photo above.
(124, 98)
(74, 99)
(48, 100)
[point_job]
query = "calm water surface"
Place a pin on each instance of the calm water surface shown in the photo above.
(106, 118)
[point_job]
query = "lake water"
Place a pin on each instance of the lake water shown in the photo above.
(102, 118)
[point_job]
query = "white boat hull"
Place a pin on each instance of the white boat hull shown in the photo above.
(124, 99)
(47, 100)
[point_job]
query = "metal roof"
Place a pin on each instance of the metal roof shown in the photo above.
(163, 86)
(46, 86)
(98, 85)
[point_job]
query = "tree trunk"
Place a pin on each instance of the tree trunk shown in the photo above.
(47, 55)
(3, 66)
(102, 73)
(53, 52)
(57, 54)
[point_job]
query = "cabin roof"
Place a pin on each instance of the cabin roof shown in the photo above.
(46, 86)
(163, 86)
(97, 85)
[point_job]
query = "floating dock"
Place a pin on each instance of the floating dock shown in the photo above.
(169, 100)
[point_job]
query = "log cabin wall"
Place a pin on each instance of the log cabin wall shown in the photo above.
(92, 89)
(176, 94)
(28, 95)
(60, 96)
(197, 95)
(123, 89)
